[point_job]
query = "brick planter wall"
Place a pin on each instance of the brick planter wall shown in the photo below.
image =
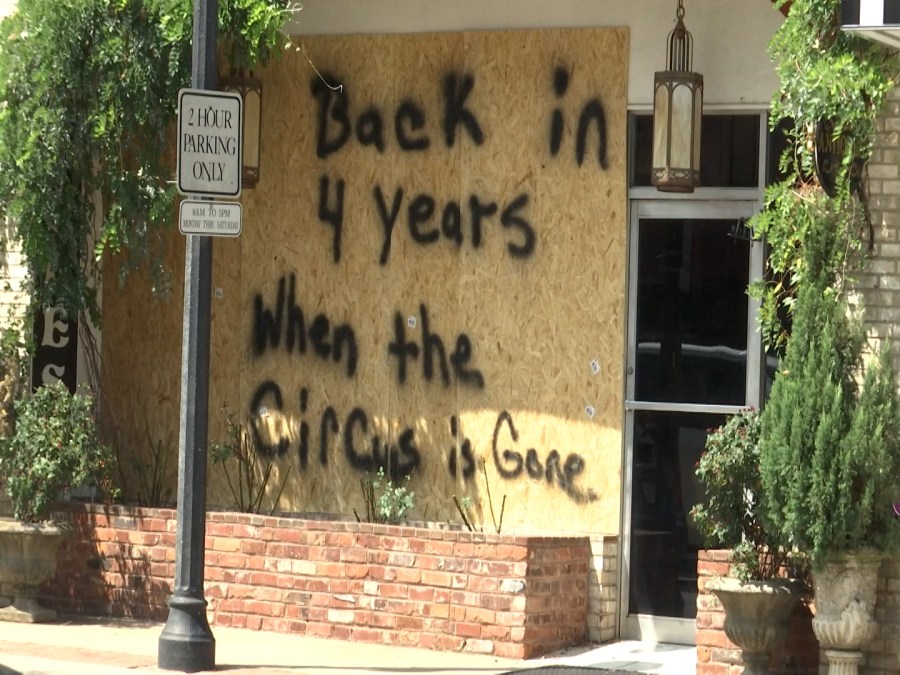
(717, 655)
(516, 596)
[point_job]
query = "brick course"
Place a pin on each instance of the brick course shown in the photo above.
(516, 596)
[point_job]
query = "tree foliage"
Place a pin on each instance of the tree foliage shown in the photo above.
(88, 97)
(732, 513)
(829, 448)
(826, 74)
(55, 447)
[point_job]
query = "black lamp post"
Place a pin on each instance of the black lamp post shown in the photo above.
(187, 643)
(677, 113)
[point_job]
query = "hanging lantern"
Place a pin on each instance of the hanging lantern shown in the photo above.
(250, 90)
(677, 112)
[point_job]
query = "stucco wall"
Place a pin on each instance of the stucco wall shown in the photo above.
(730, 36)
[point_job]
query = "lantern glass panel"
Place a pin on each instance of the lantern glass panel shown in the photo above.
(698, 120)
(661, 125)
(680, 129)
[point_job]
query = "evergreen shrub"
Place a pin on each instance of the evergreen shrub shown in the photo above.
(829, 455)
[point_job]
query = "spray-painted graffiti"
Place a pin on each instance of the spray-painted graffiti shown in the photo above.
(352, 434)
(428, 219)
(455, 221)
(335, 120)
(465, 465)
(433, 354)
(365, 449)
(287, 321)
(591, 113)
(511, 463)
(287, 424)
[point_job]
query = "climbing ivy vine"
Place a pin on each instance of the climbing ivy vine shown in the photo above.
(826, 74)
(88, 97)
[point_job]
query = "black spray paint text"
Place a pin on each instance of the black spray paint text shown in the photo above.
(286, 326)
(337, 122)
(433, 354)
(366, 450)
(429, 221)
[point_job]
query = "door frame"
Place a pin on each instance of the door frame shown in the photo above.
(645, 626)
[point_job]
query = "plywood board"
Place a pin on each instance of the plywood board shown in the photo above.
(506, 248)
(431, 275)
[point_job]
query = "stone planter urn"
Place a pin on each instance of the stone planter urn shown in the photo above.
(845, 603)
(27, 559)
(757, 616)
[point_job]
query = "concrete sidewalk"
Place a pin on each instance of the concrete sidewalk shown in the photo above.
(82, 646)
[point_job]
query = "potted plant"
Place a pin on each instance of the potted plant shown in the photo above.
(54, 446)
(829, 453)
(758, 601)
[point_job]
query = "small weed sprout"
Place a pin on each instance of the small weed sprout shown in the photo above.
(246, 472)
(385, 502)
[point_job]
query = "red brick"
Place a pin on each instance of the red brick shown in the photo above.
(401, 607)
(219, 529)
(501, 633)
(263, 608)
(353, 555)
(712, 669)
(508, 650)
(423, 594)
(231, 605)
(233, 560)
(703, 654)
(480, 615)
(436, 578)
(342, 632)
(409, 638)
(409, 623)
(449, 643)
(251, 547)
(409, 575)
(466, 630)
(366, 635)
(714, 638)
(393, 591)
(351, 571)
(482, 584)
(439, 548)
(318, 629)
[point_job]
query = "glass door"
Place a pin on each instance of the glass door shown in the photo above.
(693, 357)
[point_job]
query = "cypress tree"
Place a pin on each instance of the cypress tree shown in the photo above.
(828, 448)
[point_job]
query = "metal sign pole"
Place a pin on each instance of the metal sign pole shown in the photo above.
(187, 643)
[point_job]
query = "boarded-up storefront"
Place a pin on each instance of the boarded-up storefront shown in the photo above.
(430, 279)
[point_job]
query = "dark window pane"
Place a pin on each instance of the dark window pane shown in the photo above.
(692, 311)
(663, 570)
(729, 150)
(778, 142)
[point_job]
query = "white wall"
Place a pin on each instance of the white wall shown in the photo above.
(730, 36)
